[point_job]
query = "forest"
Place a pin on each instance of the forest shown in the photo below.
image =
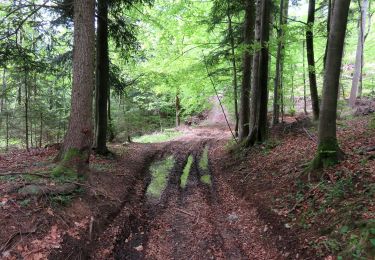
(187, 129)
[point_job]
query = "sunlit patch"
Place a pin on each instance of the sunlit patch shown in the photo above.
(186, 171)
(159, 177)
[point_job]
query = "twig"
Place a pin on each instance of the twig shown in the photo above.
(185, 212)
(218, 98)
(309, 135)
(25, 173)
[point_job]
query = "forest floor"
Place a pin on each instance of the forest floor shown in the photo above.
(195, 197)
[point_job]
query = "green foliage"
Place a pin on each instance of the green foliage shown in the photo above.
(158, 137)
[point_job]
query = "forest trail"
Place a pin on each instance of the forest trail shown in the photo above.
(200, 219)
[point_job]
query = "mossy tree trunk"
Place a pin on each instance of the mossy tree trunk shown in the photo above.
(244, 116)
(75, 152)
(329, 152)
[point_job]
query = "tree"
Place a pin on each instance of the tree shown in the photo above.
(259, 91)
(244, 116)
(357, 76)
(329, 152)
(75, 151)
(311, 59)
(102, 79)
(284, 4)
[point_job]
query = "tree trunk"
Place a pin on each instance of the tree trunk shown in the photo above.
(329, 152)
(111, 132)
(311, 59)
(359, 55)
(26, 109)
(76, 149)
(284, 4)
(259, 91)
(234, 67)
(3, 91)
(244, 116)
(304, 78)
(41, 130)
(178, 111)
(102, 78)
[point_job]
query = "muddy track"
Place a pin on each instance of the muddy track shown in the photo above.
(197, 219)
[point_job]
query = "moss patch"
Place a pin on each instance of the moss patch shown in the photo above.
(203, 162)
(206, 179)
(159, 177)
(186, 171)
(64, 169)
(328, 154)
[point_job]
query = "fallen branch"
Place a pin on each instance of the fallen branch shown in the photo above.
(185, 212)
(25, 173)
(13, 236)
(310, 135)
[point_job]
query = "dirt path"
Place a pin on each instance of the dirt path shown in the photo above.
(201, 218)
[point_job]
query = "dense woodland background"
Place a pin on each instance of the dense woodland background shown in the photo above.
(157, 52)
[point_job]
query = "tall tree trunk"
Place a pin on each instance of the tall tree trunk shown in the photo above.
(304, 78)
(356, 81)
(41, 130)
(75, 152)
(284, 4)
(259, 91)
(234, 67)
(178, 110)
(111, 132)
(311, 59)
(102, 78)
(329, 152)
(3, 91)
(26, 109)
(331, 4)
(244, 116)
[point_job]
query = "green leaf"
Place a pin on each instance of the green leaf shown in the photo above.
(344, 229)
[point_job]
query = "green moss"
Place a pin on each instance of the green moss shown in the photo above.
(206, 179)
(159, 177)
(64, 170)
(328, 154)
(186, 171)
(203, 162)
(371, 124)
(71, 154)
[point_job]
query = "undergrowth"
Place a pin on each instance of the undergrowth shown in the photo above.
(342, 211)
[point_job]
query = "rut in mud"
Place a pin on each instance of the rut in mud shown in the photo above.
(182, 211)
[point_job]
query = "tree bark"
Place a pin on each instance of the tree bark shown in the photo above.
(234, 67)
(284, 4)
(102, 78)
(329, 152)
(244, 116)
(304, 78)
(178, 110)
(259, 92)
(111, 132)
(311, 59)
(356, 81)
(76, 148)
